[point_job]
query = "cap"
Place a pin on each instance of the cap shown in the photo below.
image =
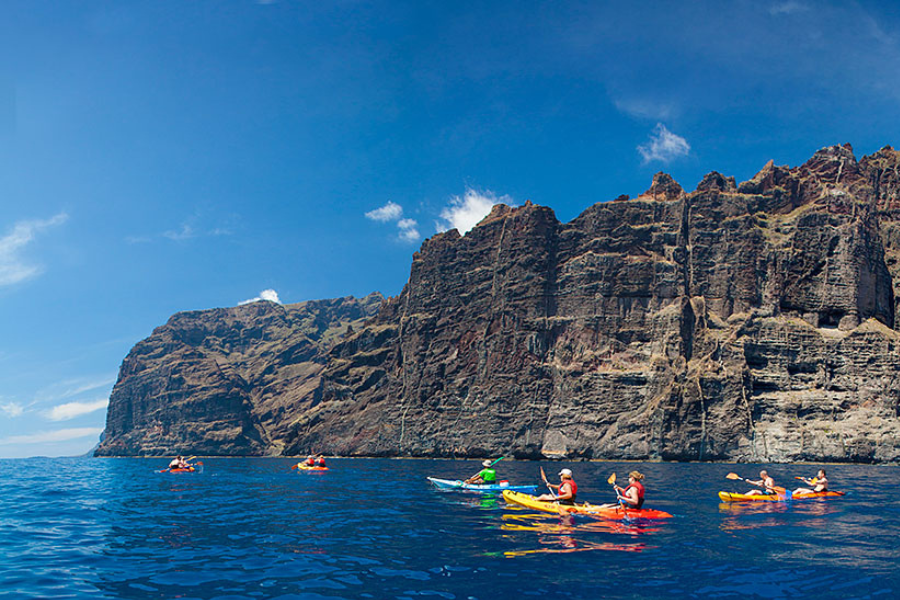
(565, 473)
(486, 463)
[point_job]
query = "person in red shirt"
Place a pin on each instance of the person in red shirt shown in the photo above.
(565, 491)
(631, 496)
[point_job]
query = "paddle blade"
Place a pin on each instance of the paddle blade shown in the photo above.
(543, 475)
(733, 476)
(295, 466)
(612, 479)
(199, 463)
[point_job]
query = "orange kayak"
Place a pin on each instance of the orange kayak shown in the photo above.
(303, 467)
(583, 508)
(732, 497)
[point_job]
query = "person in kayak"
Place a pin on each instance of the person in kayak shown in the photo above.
(310, 461)
(486, 475)
(179, 463)
(819, 483)
(765, 482)
(320, 461)
(565, 491)
(631, 496)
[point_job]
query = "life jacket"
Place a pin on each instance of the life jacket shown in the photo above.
(320, 462)
(640, 494)
(310, 462)
(574, 487)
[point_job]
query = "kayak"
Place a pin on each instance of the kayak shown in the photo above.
(583, 508)
(188, 470)
(456, 484)
(303, 467)
(732, 497)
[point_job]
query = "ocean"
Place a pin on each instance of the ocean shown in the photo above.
(375, 528)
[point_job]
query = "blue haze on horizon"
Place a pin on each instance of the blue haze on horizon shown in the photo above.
(158, 157)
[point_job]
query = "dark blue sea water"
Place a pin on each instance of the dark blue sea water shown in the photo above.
(374, 528)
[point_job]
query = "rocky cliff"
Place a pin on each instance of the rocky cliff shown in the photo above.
(752, 322)
(229, 381)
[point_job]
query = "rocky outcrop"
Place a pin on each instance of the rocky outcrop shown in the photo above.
(229, 381)
(752, 322)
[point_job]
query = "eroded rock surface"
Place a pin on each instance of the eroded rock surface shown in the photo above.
(753, 322)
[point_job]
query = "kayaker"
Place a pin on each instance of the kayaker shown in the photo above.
(320, 462)
(486, 475)
(565, 491)
(310, 461)
(178, 463)
(631, 496)
(765, 482)
(819, 483)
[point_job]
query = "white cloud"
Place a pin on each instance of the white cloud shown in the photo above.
(389, 212)
(409, 230)
(13, 268)
(60, 435)
(13, 409)
(270, 295)
(185, 233)
(72, 387)
(787, 8)
(70, 410)
(664, 146)
(464, 212)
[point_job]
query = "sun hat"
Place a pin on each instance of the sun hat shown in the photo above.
(565, 473)
(486, 463)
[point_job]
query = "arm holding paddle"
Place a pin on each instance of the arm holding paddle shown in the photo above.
(479, 477)
(764, 481)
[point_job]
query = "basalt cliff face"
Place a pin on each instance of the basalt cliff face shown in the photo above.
(751, 322)
(228, 381)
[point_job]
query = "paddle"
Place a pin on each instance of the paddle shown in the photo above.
(812, 481)
(544, 477)
(488, 467)
(778, 489)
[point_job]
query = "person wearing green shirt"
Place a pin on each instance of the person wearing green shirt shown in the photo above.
(486, 475)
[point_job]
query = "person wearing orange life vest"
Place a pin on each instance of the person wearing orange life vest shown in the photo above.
(631, 496)
(320, 461)
(310, 461)
(565, 491)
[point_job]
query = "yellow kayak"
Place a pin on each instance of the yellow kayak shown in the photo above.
(583, 508)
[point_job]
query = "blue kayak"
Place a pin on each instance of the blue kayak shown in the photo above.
(456, 484)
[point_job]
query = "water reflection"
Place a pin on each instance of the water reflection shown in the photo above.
(556, 534)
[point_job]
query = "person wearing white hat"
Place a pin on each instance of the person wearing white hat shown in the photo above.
(486, 475)
(565, 491)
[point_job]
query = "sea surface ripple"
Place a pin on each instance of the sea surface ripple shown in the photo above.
(375, 528)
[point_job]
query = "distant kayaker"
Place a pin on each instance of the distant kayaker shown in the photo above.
(819, 483)
(178, 463)
(765, 482)
(631, 496)
(486, 475)
(310, 461)
(565, 491)
(320, 461)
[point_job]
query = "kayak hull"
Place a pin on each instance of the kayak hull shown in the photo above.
(456, 484)
(615, 513)
(188, 470)
(733, 497)
(308, 468)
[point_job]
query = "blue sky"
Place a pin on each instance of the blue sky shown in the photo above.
(165, 156)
